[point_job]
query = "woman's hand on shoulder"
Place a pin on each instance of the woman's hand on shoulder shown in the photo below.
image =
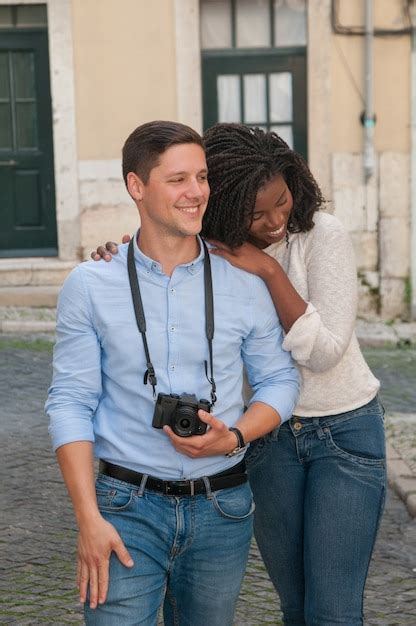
(106, 252)
(246, 257)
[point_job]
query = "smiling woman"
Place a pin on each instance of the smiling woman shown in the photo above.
(253, 169)
(274, 205)
(325, 468)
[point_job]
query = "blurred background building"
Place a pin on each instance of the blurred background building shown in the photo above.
(335, 78)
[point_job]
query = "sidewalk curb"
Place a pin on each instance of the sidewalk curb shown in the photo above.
(26, 326)
(401, 478)
(377, 334)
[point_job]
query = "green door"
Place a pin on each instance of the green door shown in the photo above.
(265, 88)
(27, 191)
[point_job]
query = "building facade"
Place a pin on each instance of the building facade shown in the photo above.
(76, 76)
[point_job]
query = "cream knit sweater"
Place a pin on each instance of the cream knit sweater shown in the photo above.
(320, 264)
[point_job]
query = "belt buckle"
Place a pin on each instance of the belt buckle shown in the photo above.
(172, 485)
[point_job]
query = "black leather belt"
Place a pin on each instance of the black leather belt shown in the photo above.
(231, 477)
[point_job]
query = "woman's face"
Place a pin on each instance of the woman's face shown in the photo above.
(272, 209)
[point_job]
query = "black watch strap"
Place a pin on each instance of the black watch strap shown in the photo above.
(239, 435)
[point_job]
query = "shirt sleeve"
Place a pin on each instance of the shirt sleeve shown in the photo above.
(319, 338)
(271, 371)
(76, 384)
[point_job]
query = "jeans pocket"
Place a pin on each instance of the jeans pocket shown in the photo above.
(235, 504)
(255, 450)
(112, 497)
(383, 410)
(257, 446)
(360, 440)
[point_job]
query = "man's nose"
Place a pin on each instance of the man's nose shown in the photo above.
(194, 189)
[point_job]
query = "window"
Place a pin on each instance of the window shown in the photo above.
(252, 23)
(23, 16)
(254, 65)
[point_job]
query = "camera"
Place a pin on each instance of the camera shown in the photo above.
(180, 413)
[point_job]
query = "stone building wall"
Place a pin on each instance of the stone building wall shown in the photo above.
(377, 216)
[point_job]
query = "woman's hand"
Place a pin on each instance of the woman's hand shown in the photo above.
(246, 257)
(106, 252)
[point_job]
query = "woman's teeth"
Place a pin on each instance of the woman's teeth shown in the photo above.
(275, 233)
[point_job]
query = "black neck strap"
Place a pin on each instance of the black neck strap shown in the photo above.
(150, 375)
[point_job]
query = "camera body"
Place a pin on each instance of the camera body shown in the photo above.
(180, 412)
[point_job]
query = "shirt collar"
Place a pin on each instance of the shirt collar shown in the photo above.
(154, 266)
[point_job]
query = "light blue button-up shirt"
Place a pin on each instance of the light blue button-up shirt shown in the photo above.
(97, 392)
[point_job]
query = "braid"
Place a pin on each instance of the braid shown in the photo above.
(240, 161)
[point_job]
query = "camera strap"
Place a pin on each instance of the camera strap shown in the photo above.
(150, 374)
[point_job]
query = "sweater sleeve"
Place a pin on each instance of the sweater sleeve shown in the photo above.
(319, 338)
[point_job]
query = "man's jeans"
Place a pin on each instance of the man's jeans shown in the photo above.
(189, 552)
(319, 487)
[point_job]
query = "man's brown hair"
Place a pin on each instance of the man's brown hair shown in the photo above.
(147, 142)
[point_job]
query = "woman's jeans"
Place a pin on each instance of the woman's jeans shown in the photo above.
(319, 488)
(189, 552)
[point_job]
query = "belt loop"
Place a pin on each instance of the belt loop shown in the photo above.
(192, 485)
(319, 431)
(207, 487)
(142, 485)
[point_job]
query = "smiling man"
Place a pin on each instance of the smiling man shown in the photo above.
(141, 342)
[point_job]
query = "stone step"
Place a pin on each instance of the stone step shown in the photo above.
(34, 272)
(29, 296)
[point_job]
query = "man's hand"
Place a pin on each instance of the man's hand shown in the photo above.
(106, 252)
(96, 542)
(217, 440)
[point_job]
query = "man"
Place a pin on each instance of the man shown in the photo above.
(170, 516)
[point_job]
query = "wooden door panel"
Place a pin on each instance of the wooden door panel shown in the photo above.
(27, 185)
(27, 192)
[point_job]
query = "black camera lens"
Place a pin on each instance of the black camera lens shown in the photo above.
(182, 421)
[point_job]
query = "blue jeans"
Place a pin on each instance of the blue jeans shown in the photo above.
(319, 488)
(189, 552)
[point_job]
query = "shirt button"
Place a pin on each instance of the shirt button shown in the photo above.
(173, 290)
(172, 367)
(297, 425)
(172, 328)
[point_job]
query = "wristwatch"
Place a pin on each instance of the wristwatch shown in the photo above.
(241, 444)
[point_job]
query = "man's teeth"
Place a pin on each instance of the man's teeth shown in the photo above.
(191, 209)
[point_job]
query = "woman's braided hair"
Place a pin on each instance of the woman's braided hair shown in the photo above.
(240, 161)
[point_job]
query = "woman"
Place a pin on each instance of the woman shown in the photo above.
(318, 480)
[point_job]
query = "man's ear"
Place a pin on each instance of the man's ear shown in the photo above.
(135, 186)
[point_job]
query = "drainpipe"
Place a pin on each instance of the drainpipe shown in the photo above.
(412, 14)
(368, 117)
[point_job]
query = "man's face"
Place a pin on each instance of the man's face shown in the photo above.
(174, 199)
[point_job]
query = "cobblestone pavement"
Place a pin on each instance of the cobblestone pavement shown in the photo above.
(37, 535)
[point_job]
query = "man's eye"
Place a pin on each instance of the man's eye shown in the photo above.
(176, 180)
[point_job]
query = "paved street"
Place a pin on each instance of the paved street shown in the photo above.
(37, 533)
